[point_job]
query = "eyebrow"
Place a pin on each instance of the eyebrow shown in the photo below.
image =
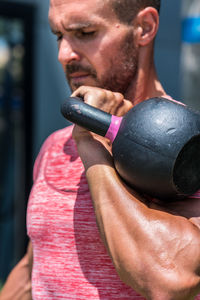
(73, 27)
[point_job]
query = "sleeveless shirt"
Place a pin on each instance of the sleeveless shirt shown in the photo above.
(70, 260)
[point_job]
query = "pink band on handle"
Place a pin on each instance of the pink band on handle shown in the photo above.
(113, 128)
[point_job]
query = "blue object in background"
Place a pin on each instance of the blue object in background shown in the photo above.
(191, 30)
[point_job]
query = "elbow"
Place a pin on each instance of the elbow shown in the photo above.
(184, 291)
(163, 286)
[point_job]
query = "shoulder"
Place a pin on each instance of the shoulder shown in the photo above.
(57, 137)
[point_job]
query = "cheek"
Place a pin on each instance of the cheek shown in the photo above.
(110, 49)
(103, 58)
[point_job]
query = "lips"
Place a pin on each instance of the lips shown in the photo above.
(77, 75)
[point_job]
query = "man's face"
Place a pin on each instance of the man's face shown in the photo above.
(95, 49)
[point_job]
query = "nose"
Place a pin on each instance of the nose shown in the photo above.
(66, 52)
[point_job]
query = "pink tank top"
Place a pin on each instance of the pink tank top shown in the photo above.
(70, 260)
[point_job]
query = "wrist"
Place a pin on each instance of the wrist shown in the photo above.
(93, 152)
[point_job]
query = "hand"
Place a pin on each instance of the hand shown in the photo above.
(110, 102)
(18, 284)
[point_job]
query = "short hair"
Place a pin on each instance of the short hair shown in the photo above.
(126, 10)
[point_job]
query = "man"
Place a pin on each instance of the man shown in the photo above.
(145, 247)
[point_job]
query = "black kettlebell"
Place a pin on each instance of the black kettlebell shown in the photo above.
(155, 146)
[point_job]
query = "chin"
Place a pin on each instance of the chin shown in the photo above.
(91, 83)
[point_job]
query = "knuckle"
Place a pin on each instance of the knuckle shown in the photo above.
(119, 96)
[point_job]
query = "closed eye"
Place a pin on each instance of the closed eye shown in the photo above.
(58, 34)
(85, 34)
(78, 33)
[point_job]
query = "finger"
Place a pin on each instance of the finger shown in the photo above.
(125, 106)
(82, 90)
(91, 95)
(115, 102)
(95, 98)
(77, 92)
(111, 102)
(88, 94)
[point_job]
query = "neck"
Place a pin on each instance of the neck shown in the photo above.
(146, 83)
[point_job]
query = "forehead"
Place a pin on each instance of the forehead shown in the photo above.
(69, 11)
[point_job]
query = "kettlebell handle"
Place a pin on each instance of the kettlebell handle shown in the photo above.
(75, 110)
(155, 146)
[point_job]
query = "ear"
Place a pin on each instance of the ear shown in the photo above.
(146, 25)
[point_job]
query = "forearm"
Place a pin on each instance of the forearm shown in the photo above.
(149, 247)
(150, 252)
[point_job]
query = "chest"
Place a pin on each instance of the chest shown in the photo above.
(60, 204)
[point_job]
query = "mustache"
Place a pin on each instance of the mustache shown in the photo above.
(74, 67)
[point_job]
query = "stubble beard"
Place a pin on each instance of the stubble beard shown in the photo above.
(122, 69)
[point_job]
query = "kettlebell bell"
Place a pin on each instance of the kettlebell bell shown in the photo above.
(155, 146)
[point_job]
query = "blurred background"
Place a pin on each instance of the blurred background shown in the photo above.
(32, 87)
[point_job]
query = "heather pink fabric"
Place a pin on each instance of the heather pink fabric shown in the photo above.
(70, 260)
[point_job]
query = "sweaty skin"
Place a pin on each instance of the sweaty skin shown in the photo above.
(154, 246)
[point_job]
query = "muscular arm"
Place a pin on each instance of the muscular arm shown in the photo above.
(155, 252)
(18, 283)
(155, 248)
